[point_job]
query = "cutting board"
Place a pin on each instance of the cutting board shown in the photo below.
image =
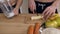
(17, 25)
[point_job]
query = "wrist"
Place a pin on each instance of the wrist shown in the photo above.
(55, 7)
(30, 1)
(17, 7)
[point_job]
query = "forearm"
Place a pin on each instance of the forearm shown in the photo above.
(56, 3)
(30, 0)
(19, 3)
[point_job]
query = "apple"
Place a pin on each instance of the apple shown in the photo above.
(51, 24)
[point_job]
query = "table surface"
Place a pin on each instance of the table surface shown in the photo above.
(16, 25)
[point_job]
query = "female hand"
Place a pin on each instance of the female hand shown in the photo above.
(15, 10)
(32, 5)
(49, 11)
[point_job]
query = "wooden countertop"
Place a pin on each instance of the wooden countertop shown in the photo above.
(17, 25)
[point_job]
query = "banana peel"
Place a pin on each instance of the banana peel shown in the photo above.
(54, 17)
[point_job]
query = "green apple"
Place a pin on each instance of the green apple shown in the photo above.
(51, 24)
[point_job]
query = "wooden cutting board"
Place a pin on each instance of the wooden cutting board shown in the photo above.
(21, 18)
(17, 25)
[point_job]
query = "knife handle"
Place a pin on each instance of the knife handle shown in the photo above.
(36, 12)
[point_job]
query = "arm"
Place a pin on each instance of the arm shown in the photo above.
(50, 11)
(56, 3)
(19, 2)
(16, 9)
(32, 5)
(30, 0)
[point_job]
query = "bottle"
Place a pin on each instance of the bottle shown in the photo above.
(6, 8)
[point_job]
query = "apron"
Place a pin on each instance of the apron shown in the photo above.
(41, 6)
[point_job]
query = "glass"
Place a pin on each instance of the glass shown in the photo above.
(6, 8)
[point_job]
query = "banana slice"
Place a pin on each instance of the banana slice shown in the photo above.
(36, 17)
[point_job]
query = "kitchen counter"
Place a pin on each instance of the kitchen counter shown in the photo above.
(16, 25)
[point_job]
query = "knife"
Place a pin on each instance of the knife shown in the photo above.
(36, 12)
(42, 27)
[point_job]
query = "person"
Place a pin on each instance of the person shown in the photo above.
(16, 6)
(46, 7)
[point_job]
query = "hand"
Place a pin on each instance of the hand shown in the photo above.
(49, 11)
(15, 10)
(32, 6)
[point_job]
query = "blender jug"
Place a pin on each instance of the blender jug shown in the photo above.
(6, 8)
